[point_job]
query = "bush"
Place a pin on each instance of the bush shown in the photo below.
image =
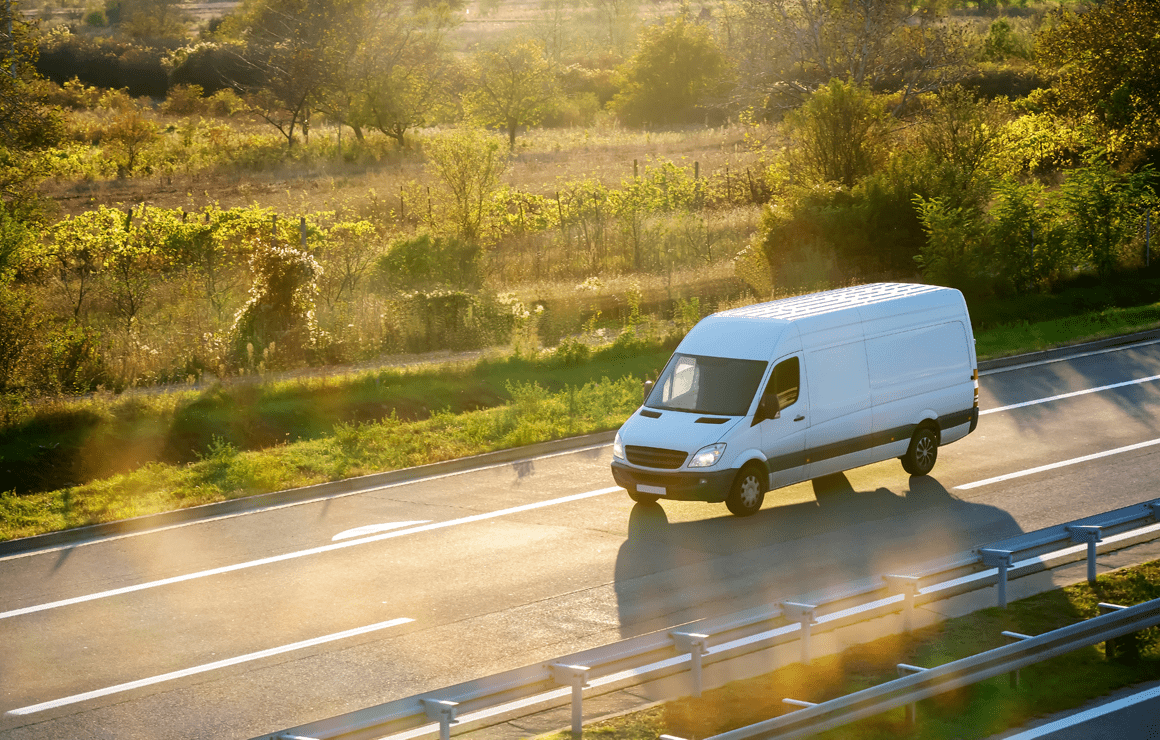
(426, 262)
(276, 327)
(676, 76)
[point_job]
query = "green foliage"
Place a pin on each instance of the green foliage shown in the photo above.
(950, 257)
(513, 86)
(19, 331)
(469, 164)
(676, 76)
(1004, 42)
(962, 136)
(1102, 205)
(425, 262)
(840, 133)
(1106, 61)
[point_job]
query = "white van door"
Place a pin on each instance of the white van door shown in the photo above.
(840, 431)
(783, 440)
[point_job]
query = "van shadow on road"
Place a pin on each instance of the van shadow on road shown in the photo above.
(669, 573)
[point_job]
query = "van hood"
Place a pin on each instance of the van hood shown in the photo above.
(675, 430)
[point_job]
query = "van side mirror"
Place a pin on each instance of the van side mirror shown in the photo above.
(648, 386)
(767, 408)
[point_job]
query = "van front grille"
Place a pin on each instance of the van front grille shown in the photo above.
(654, 457)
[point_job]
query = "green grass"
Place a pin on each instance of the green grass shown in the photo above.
(1015, 338)
(74, 463)
(978, 711)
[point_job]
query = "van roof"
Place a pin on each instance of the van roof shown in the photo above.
(752, 332)
(816, 304)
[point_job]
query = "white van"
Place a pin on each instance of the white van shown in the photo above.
(773, 394)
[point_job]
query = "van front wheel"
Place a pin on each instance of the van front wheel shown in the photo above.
(748, 491)
(643, 498)
(922, 453)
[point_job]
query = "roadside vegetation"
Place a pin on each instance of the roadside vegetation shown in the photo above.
(104, 458)
(218, 234)
(978, 711)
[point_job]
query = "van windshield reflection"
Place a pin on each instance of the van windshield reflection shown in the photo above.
(721, 386)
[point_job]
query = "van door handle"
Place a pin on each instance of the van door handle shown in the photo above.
(799, 418)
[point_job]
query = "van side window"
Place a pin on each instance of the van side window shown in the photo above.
(785, 382)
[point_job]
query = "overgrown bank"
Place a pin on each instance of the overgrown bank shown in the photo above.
(76, 463)
(977, 711)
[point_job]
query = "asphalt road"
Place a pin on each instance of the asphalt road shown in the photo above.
(248, 624)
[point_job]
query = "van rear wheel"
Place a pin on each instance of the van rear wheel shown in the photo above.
(922, 453)
(748, 492)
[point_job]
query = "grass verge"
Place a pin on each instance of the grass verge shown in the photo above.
(181, 450)
(976, 711)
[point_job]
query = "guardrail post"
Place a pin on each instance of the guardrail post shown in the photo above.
(1155, 507)
(906, 670)
(1000, 559)
(1015, 637)
(1091, 535)
(575, 676)
(442, 710)
(908, 587)
(1124, 648)
(804, 615)
(694, 644)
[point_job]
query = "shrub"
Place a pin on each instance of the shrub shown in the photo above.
(425, 262)
(277, 326)
(676, 76)
(840, 133)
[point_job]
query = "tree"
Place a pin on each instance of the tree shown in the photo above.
(1104, 59)
(296, 49)
(1102, 211)
(27, 125)
(619, 16)
(840, 132)
(148, 19)
(470, 165)
(963, 137)
(677, 72)
(791, 47)
(514, 86)
(399, 73)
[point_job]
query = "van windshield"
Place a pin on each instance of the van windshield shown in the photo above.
(707, 385)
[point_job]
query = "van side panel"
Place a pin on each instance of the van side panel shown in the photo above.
(841, 417)
(915, 373)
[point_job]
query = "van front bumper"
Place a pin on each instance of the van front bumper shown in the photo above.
(678, 486)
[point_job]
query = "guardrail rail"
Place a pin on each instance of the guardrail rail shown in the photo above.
(691, 647)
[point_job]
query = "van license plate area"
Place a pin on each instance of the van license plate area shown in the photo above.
(655, 490)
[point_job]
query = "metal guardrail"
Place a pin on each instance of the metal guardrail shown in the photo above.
(692, 646)
(926, 683)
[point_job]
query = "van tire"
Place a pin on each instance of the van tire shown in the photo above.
(643, 498)
(920, 457)
(748, 491)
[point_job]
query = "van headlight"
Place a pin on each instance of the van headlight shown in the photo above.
(618, 447)
(707, 456)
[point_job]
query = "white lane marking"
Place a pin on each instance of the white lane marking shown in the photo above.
(276, 507)
(1068, 358)
(119, 688)
(1053, 466)
(1090, 714)
(1070, 395)
(304, 553)
(373, 529)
